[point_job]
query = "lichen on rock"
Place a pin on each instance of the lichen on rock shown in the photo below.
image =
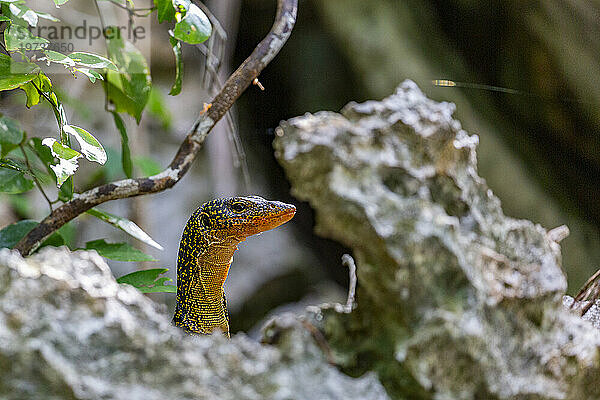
(455, 299)
(69, 331)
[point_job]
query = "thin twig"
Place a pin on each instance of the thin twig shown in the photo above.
(590, 292)
(240, 159)
(235, 85)
(35, 179)
(214, 52)
(320, 340)
(4, 48)
(105, 78)
(64, 138)
(102, 24)
(348, 261)
(135, 11)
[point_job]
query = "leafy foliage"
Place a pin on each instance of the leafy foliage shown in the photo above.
(13, 75)
(129, 86)
(90, 60)
(126, 226)
(13, 182)
(17, 37)
(176, 45)
(11, 135)
(90, 146)
(52, 161)
(192, 26)
(10, 235)
(166, 11)
(125, 152)
(118, 251)
(67, 157)
(149, 281)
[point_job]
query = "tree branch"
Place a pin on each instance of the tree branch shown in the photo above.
(233, 88)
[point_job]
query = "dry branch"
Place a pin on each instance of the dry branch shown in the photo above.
(231, 91)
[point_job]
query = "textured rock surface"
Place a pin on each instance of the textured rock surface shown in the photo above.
(592, 315)
(69, 331)
(455, 300)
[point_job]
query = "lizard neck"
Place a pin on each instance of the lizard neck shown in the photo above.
(209, 240)
(202, 267)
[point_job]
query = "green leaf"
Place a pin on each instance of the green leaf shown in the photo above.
(10, 235)
(59, 58)
(33, 96)
(130, 88)
(11, 164)
(60, 2)
(90, 146)
(44, 154)
(47, 16)
(65, 192)
(148, 281)
(147, 166)
(125, 152)
(166, 12)
(176, 45)
(24, 12)
(4, 18)
(90, 73)
(195, 26)
(11, 135)
(60, 115)
(69, 233)
(125, 225)
(55, 240)
(118, 251)
(91, 60)
(14, 74)
(19, 38)
(12, 181)
(41, 82)
(158, 109)
(67, 158)
(59, 150)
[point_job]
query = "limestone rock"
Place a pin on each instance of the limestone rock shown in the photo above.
(592, 314)
(69, 331)
(455, 299)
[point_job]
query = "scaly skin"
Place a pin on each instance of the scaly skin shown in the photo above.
(209, 239)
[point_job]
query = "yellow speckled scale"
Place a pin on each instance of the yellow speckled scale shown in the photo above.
(209, 240)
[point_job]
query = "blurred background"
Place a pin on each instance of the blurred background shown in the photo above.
(539, 148)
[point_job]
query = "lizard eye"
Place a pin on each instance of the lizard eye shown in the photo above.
(238, 207)
(205, 220)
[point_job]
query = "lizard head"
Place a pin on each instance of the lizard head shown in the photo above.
(244, 216)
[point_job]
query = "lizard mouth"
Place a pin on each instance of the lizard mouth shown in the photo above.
(279, 214)
(276, 219)
(282, 217)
